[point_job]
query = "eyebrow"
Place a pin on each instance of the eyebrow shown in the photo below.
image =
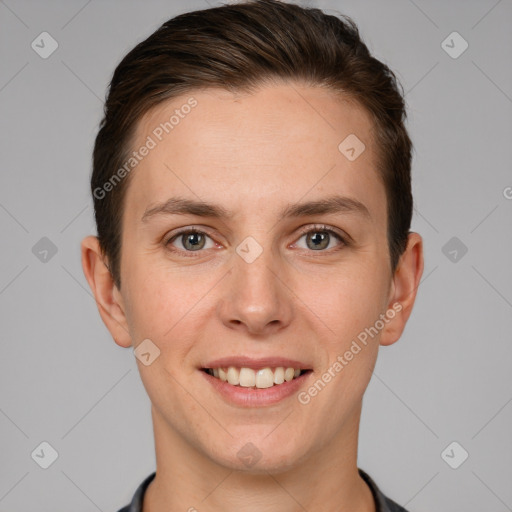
(184, 206)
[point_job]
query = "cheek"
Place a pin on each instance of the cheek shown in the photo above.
(157, 301)
(350, 301)
(171, 308)
(360, 299)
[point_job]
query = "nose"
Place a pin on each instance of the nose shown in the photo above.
(256, 297)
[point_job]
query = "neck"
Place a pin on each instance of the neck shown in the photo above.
(187, 480)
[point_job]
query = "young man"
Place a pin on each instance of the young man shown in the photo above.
(252, 196)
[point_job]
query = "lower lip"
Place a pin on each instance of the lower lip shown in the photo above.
(248, 397)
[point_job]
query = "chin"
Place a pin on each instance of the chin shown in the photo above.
(260, 454)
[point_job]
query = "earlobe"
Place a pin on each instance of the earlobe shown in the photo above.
(403, 289)
(108, 299)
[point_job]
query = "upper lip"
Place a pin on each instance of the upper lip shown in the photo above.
(256, 364)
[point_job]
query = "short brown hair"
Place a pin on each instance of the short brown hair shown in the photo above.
(239, 47)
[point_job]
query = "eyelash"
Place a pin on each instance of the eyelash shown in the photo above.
(311, 229)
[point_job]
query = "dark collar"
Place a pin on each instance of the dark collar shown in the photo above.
(382, 503)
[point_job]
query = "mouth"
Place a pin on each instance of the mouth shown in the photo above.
(261, 378)
(245, 381)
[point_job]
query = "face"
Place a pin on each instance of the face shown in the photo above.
(255, 272)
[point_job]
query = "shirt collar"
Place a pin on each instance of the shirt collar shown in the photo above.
(382, 503)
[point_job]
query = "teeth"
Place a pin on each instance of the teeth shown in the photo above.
(249, 378)
(264, 378)
(233, 376)
(279, 375)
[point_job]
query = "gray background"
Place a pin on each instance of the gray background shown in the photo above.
(64, 381)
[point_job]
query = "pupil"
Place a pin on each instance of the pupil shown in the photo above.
(318, 238)
(192, 239)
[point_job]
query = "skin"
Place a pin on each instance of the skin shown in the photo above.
(254, 154)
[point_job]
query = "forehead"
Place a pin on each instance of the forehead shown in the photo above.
(252, 150)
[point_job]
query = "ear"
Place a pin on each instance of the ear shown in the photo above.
(403, 290)
(108, 297)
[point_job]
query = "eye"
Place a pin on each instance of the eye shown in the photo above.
(320, 237)
(191, 240)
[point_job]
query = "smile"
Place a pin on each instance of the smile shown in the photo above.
(262, 387)
(257, 379)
